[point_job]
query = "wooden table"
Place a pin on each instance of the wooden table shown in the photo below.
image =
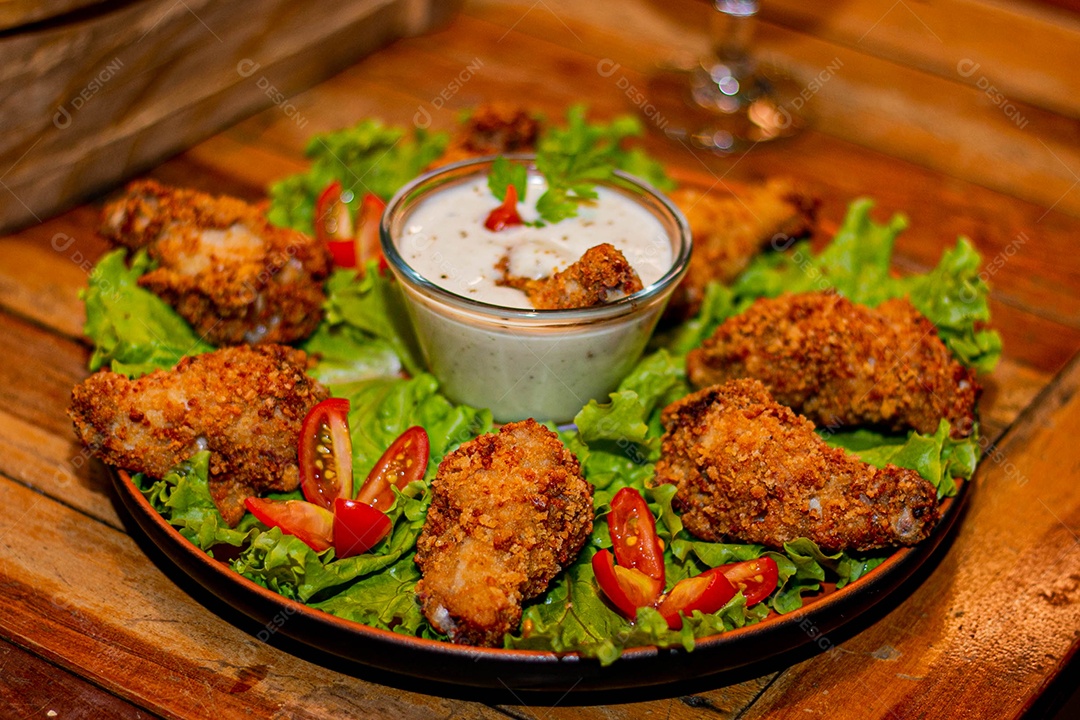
(96, 623)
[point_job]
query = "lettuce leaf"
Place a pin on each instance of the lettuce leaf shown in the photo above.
(365, 318)
(183, 498)
(369, 157)
(856, 264)
(134, 332)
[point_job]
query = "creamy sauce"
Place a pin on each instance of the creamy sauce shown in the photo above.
(445, 240)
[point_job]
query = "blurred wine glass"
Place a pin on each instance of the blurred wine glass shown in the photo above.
(726, 102)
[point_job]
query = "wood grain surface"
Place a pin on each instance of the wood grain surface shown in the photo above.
(98, 622)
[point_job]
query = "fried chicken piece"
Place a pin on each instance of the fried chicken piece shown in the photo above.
(749, 469)
(244, 404)
(221, 264)
(493, 129)
(842, 364)
(600, 276)
(509, 511)
(729, 230)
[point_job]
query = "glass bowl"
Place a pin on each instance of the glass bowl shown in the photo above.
(522, 362)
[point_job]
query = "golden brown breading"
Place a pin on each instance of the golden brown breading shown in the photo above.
(729, 230)
(230, 273)
(840, 363)
(751, 470)
(601, 275)
(509, 511)
(244, 404)
(493, 129)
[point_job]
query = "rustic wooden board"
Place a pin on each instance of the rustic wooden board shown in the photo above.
(31, 687)
(87, 603)
(93, 98)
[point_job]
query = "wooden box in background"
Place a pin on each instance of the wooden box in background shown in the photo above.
(94, 92)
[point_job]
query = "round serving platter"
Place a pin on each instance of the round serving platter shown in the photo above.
(529, 669)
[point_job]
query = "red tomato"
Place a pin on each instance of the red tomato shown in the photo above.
(358, 527)
(334, 225)
(309, 522)
(633, 534)
(627, 589)
(707, 592)
(367, 243)
(506, 214)
(403, 462)
(756, 578)
(325, 453)
(350, 244)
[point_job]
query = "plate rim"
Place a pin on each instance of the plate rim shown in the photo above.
(540, 670)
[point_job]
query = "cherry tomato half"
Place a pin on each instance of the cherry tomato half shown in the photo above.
(307, 521)
(368, 245)
(707, 592)
(358, 527)
(756, 578)
(351, 244)
(633, 534)
(627, 589)
(403, 462)
(325, 453)
(334, 225)
(506, 214)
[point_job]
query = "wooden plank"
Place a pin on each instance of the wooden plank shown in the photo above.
(31, 687)
(905, 112)
(1020, 50)
(108, 94)
(85, 597)
(1004, 600)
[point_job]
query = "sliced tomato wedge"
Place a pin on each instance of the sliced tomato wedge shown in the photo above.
(334, 225)
(506, 215)
(627, 589)
(307, 521)
(367, 242)
(358, 527)
(403, 462)
(707, 592)
(325, 453)
(756, 578)
(633, 534)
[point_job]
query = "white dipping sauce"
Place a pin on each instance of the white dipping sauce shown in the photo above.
(445, 241)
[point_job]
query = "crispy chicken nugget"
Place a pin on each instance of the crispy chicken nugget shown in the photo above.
(509, 511)
(730, 229)
(600, 276)
(749, 469)
(244, 404)
(842, 364)
(221, 264)
(493, 129)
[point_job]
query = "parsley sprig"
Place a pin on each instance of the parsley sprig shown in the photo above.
(574, 160)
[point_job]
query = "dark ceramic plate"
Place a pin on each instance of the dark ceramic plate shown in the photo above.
(528, 669)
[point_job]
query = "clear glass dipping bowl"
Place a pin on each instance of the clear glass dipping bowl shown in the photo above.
(520, 362)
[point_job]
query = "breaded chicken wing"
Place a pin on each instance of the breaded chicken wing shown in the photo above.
(493, 129)
(751, 470)
(729, 230)
(230, 273)
(841, 364)
(509, 512)
(243, 404)
(600, 276)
